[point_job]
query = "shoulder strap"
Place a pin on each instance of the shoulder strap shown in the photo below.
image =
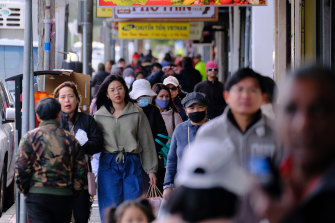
(173, 121)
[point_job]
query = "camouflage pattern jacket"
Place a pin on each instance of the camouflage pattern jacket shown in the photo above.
(50, 161)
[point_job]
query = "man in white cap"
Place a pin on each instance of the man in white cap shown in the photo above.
(141, 92)
(210, 184)
(176, 94)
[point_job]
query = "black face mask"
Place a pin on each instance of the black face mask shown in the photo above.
(197, 116)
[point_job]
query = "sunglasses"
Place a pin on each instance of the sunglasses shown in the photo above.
(212, 69)
(173, 88)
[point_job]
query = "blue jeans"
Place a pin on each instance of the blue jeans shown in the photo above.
(118, 182)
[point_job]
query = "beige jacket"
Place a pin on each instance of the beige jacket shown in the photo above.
(130, 133)
(167, 116)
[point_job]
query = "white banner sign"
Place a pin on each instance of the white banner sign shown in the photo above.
(166, 12)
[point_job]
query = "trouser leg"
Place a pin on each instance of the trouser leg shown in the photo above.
(132, 177)
(82, 207)
(109, 183)
(49, 208)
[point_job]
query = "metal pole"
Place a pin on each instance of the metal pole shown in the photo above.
(87, 36)
(247, 38)
(231, 38)
(107, 40)
(122, 49)
(47, 22)
(25, 88)
(31, 93)
(236, 45)
(113, 56)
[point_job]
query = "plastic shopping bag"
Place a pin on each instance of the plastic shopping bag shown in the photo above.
(155, 198)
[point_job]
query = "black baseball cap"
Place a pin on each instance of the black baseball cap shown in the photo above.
(194, 98)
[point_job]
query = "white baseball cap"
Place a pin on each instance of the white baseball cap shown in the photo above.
(171, 80)
(140, 88)
(209, 163)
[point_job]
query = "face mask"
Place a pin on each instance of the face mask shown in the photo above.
(129, 80)
(143, 101)
(197, 117)
(162, 103)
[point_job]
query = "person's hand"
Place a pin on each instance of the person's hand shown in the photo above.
(272, 209)
(153, 179)
(167, 192)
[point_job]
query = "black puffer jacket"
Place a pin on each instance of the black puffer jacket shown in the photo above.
(188, 76)
(157, 124)
(87, 123)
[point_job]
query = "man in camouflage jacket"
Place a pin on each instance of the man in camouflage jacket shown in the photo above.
(50, 167)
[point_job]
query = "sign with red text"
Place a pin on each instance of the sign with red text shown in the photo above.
(111, 3)
(175, 13)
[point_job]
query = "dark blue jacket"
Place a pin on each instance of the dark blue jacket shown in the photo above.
(155, 77)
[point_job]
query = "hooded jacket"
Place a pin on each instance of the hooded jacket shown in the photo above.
(185, 133)
(258, 140)
(129, 133)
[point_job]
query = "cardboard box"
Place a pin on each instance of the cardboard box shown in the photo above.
(83, 85)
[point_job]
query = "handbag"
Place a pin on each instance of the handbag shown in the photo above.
(155, 198)
(91, 183)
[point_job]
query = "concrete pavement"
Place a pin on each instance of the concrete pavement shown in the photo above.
(10, 215)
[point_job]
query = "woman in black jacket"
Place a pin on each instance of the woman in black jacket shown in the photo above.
(141, 93)
(86, 131)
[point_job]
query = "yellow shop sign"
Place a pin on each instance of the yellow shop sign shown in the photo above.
(154, 30)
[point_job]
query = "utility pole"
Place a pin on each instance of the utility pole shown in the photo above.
(47, 23)
(26, 88)
(46, 34)
(107, 40)
(41, 11)
(87, 36)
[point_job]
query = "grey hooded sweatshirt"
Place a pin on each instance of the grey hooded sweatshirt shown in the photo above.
(257, 140)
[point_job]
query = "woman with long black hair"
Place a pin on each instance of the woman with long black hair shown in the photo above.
(128, 145)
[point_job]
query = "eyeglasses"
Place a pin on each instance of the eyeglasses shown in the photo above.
(173, 88)
(212, 69)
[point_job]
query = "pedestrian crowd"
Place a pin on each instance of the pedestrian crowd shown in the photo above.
(245, 150)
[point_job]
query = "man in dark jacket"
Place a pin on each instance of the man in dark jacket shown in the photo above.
(98, 78)
(213, 89)
(305, 123)
(50, 167)
(188, 76)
